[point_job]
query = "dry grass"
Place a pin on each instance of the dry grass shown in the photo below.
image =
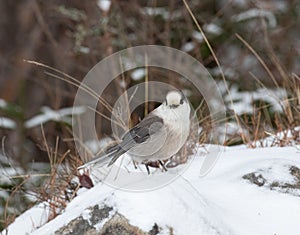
(286, 121)
(261, 121)
(254, 127)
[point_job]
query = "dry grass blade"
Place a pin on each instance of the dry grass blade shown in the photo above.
(54, 189)
(146, 86)
(259, 58)
(75, 83)
(16, 189)
(215, 58)
(125, 94)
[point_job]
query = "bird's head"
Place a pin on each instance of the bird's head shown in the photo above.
(175, 99)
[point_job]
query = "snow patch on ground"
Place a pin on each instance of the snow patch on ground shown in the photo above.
(7, 123)
(243, 101)
(30, 220)
(52, 115)
(256, 13)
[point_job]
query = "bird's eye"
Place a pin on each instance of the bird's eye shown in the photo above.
(181, 101)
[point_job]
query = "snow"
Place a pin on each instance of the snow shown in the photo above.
(239, 3)
(222, 202)
(104, 5)
(138, 74)
(49, 114)
(280, 6)
(30, 220)
(161, 11)
(277, 173)
(84, 50)
(7, 123)
(227, 130)
(122, 84)
(243, 100)
(228, 72)
(153, 11)
(256, 13)
(198, 36)
(288, 137)
(3, 104)
(213, 29)
(187, 47)
(9, 172)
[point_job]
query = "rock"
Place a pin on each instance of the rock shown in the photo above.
(76, 227)
(119, 225)
(255, 178)
(116, 224)
(261, 178)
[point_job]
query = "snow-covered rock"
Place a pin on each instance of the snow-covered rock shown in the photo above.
(236, 197)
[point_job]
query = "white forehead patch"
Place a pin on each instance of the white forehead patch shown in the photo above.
(173, 98)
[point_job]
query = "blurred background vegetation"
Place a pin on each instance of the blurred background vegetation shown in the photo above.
(72, 36)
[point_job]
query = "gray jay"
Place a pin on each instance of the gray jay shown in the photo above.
(159, 136)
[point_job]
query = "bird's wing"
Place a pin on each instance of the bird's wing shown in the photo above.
(142, 131)
(138, 134)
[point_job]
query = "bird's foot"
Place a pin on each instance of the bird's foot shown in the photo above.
(134, 164)
(162, 166)
(147, 167)
(157, 164)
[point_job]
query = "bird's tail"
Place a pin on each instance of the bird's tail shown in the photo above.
(100, 160)
(109, 157)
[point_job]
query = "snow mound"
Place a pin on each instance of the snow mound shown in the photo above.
(222, 202)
